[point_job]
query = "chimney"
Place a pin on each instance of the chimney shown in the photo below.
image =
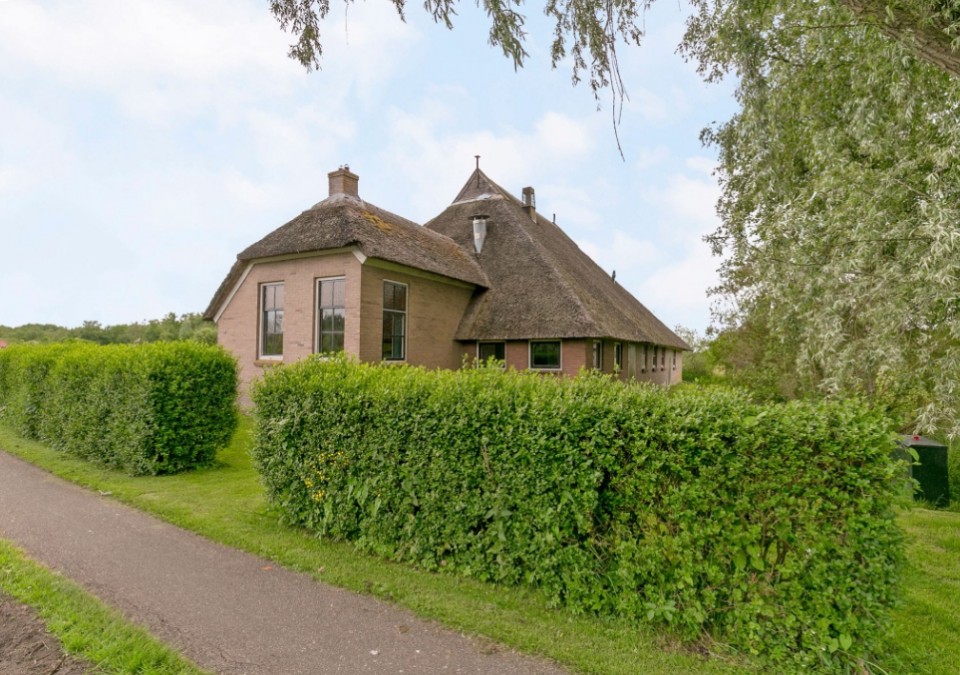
(479, 231)
(343, 182)
(530, 203)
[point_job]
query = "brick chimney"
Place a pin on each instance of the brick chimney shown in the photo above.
(344, 182)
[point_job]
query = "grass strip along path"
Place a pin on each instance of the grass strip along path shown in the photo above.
(226, 503)
(85, 626)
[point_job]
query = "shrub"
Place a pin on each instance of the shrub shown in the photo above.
(142, 409)
(769, 526)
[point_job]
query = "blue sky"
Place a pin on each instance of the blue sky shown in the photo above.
(144, 144)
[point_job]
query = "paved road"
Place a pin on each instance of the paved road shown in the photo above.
(228, 611)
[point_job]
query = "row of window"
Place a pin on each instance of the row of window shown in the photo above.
(331, 318)
(545, 354)
(331, 325)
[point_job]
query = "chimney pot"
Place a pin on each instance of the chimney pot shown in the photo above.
(344, 182)
(479, 231)
(530, 202)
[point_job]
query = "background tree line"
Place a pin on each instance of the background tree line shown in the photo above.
(189, 326)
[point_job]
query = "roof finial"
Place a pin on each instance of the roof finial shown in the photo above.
(478, 169)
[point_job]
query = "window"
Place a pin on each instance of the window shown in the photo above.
(617, 356)
(644, 365)
(545, 354)
(674, 360)
(271, 320)
(491, 350)
(331, 312)
(663, 358)
(394, 321)
(597, 355)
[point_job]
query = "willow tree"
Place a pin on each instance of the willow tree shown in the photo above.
(590, 30)
(841, 202)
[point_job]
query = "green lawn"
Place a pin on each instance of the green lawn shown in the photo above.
(85, 627)
(226, 503)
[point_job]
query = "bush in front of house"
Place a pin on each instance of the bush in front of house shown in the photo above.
(141, 409)
(770, 527)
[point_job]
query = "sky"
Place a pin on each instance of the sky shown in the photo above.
(144, 144)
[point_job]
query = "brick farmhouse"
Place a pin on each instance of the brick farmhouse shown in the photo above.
(488, 277)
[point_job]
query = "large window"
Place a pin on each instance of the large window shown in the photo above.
(394, 321)
(597, 355)
(271, 320)
(491, 350)
(545, 354)
(331, 309)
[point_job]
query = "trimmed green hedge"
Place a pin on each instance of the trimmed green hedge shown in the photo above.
(142, 409)
(770, 527)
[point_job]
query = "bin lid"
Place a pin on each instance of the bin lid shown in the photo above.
(921, 441)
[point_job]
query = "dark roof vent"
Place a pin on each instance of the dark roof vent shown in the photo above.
(344, 182)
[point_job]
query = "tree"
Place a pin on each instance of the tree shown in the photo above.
(591, 31)
(841, 204)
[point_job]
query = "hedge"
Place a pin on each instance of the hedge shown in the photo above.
(769, 527)
(142, 409)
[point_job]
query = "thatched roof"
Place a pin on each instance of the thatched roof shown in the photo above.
(343, 220)
(541, 285)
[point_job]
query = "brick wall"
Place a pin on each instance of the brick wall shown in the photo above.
(239, 324)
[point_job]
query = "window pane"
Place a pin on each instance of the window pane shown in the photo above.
(492, 350)
(545, 354)
(271, 320)
(339, 292)
(326, 294)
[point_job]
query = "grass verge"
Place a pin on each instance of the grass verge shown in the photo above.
(226, 503)
(85, 626)
(926, 628)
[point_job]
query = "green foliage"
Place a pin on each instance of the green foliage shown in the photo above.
(190, 326)
(840, 209)
(771, 527)
(144, 409)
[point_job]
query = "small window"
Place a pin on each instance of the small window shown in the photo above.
(663, 358)
(271, 321)
(597, 355)
(617, 356)
(331, 313)
(545, 354)
(674, 360)
(643, 364)
(491, 350)
(394, 321)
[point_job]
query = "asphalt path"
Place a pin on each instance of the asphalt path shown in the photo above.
(226, 610)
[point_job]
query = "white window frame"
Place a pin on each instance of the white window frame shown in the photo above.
(317, 311)
(551, 369)
(596, 355)
(261, 320)
(493, 342)
(406, 320)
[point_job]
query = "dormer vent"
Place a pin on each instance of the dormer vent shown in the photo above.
(479, 231)
(530, 202)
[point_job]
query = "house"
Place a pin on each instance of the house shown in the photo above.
(488, 277)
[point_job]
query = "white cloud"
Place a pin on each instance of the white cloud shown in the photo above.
(562, 137)
(620, 251)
